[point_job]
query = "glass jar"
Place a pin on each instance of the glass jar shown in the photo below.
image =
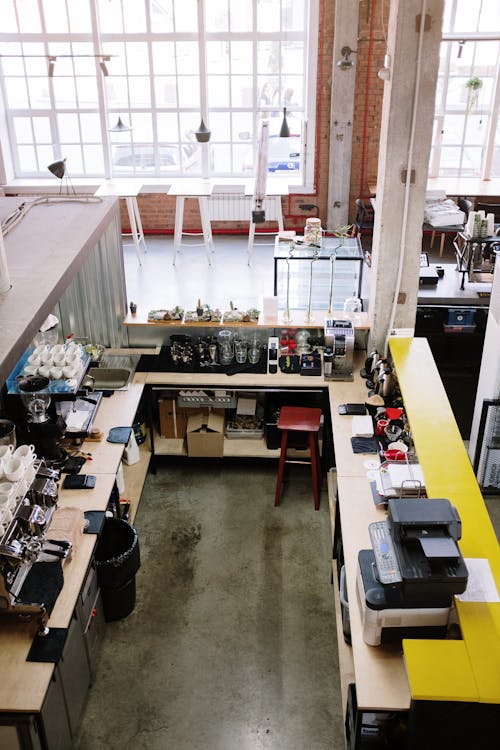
(225, 343)
(312, 231)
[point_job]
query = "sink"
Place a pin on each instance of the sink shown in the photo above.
(110, 378)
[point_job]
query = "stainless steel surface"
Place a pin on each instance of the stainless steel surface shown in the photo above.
(110, 378)
(44, 252)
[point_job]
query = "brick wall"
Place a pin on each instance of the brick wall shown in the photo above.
(157, 211)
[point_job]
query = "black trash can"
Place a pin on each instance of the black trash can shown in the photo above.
(117, 561)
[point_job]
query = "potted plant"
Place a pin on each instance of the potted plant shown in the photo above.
(473, 86)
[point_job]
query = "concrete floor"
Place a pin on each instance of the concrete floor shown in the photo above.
(232, 642)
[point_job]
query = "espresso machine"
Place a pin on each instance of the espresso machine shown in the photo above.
(44, 430)
(24, 542)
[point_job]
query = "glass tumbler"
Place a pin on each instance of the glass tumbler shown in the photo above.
(225, 342)
(240, 351)
(254, 350)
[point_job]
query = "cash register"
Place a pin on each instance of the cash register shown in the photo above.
(406, 582)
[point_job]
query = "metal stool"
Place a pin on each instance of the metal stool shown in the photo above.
(300, 419)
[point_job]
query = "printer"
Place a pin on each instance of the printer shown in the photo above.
(406, 582)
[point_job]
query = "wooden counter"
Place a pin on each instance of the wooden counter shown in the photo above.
(25, 684)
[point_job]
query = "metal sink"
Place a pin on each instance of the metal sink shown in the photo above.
(110, 378)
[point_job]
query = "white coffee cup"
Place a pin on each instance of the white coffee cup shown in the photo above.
(26, 453)
(6, 493)
(44, 370)
(69, 372)
(6, 515)
(56, 373)
(6, 450)
(13, 468)
(58, 349)
(39, 350)
(73, 357)
(35, 360)
(30, 370)
(47, 357)
(59, 359)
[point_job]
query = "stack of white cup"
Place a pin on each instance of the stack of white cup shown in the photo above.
(16, 474)
(55, 362)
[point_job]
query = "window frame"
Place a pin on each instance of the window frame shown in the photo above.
(108, 114)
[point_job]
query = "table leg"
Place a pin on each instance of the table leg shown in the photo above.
(251, 235)
(133, 226)
(138, 221)
(206, 226)
(179, 217)
(441, 244)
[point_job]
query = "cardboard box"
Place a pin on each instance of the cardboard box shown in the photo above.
(205, 435)
(173, 420)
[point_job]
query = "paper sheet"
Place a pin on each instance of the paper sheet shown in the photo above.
(75, 420)
(481, 584)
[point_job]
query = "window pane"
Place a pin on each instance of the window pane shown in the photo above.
(9, 23)
(41, 127)
(241, 15)
(292, 60)
(220, 124)
(45, 155)
(91, 128)
(268, 16)
(140, 95)
(476, 129)
(142, 125)
(64, 92)
(163, 57)
(17, 93)
(33, 66)
(222, 158)
(10, 65)
(162, 17)
(73, 156)
(94, 157)
(27, 159)
(453, 127)
(241, 91)
(137, 58)
(29, 18)
(189, 92)
(110, 16)
(55, 16)
(22, 127)
(185, 15)
(187, 57)
(242, 124)
(169, 158)
(165, 91)
(217, 57)
(218, 17)
(38, 93)
(117, 92)
(134, 16)
(69, 130)
(167, 126)
(241, 57)
(268, 57)
(293, 15)
(79, 17)
(218, 91)
(87, 92)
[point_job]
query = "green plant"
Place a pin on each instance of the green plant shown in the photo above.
(474, 83)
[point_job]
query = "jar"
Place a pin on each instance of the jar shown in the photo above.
(312, 231)
(225, 343)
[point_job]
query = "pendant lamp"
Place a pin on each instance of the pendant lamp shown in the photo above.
(58, 168)
(285, 130)
(203, 134)
(120, 127)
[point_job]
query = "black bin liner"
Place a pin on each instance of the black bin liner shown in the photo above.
(117, 561)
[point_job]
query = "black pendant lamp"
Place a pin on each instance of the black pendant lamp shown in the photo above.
(202, 135)
(285, 130)
(120, 127)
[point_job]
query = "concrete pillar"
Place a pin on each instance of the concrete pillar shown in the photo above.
(342, 113)
(405, 141)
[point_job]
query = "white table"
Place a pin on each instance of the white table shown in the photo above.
(201, 190)
(129, 190)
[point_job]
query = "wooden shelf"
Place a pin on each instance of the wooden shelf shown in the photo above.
(360, 321)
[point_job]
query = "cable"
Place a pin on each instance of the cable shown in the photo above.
(13, 219)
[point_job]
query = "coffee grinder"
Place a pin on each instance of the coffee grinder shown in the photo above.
(43, 429)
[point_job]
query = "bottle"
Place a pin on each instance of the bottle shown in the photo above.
(313, 232)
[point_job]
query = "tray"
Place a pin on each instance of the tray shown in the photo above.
(55, 386)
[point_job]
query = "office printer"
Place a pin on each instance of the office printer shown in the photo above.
(406, 583)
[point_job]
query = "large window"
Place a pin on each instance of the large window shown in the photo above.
(70, 69)
(466, 138)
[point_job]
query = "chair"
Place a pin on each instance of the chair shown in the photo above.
(364, 220)
(306, 420)
(464, 205)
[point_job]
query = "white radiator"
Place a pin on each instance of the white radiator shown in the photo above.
(237, 207)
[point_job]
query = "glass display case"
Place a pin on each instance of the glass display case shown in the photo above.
(298, 267)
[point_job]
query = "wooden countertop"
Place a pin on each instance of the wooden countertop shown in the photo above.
(25, 684)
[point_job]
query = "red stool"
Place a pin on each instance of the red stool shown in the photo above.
(300, 419)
